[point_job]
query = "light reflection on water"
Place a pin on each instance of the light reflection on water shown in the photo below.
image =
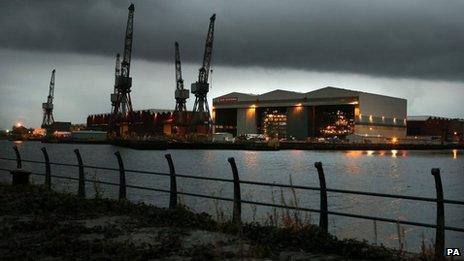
(385, 171)
(381, 153)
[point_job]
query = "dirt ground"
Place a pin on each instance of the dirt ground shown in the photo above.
(37, 224)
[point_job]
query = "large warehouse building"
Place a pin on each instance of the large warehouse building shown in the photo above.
(325, 112)
(446, 129)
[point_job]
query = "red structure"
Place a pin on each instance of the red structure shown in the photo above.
(144, 122)
(150, 123)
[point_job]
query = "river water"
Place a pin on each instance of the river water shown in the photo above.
(395, 172)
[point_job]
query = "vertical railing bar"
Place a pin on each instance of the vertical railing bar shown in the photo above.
(323, 217)
(81, 189)
(237, 210)
(18, 157)
(122, 177)
(440, 230)
(173, 182)
(48, 178)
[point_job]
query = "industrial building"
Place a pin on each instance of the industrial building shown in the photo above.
(144, 122)
(326, 112)
(445, 129)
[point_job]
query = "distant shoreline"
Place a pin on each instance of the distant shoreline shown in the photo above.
(162, 145)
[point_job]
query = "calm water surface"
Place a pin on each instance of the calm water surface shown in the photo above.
(397, 172)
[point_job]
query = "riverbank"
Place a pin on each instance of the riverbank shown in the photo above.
(262, 146)
(41, 224)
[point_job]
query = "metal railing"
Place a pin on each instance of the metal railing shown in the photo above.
(439, 226)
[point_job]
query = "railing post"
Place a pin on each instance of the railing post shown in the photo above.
(81, 190)
(440, 230)
(237, 211)
(173, 187)
(18, 158)
(20, 176)
(122, 176)
(323, 217)
(48, 178)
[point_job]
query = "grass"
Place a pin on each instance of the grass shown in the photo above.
(46, 234)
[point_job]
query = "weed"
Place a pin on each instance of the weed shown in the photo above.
(96, 185)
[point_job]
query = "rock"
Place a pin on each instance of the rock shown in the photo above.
(91, 237)
(202, 237)
(146, 235)
(104, 221)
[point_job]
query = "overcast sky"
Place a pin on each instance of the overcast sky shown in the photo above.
(411, 49)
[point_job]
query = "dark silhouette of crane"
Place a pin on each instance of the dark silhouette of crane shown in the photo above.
(47, 107)
(181, 94)
(117, 73)
(201, 87)
(120, 99)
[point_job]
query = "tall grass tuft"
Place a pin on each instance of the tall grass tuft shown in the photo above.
(220, 216)
(96, 185)
(427, 251)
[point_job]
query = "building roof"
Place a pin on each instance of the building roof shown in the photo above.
(427, 117)
(329, 92)
(326, 92)
(280, 95)
(236, 95)
(418, 118)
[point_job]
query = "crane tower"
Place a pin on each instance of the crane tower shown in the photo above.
(181, 94)
(47, 107)
(117, 73)
(201, 87)
(120, 99)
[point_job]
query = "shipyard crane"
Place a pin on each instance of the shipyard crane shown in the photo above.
(201, 87)
(181, 94)
(117, 73)
(47, 107)
(122, 101)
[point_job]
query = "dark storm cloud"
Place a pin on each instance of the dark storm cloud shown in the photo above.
(412, 38)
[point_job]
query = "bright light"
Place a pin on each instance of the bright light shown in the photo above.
(19, 124)
(383, 118)
(7, 131)
(299, 105)
(371, 118)
(455, 133)
(394, 120)
(370, 128)
(253, 106)
(455, 154)
(360, 116)
(394, 152)
(394, 140)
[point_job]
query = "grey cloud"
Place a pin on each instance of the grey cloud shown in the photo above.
(416, 38)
